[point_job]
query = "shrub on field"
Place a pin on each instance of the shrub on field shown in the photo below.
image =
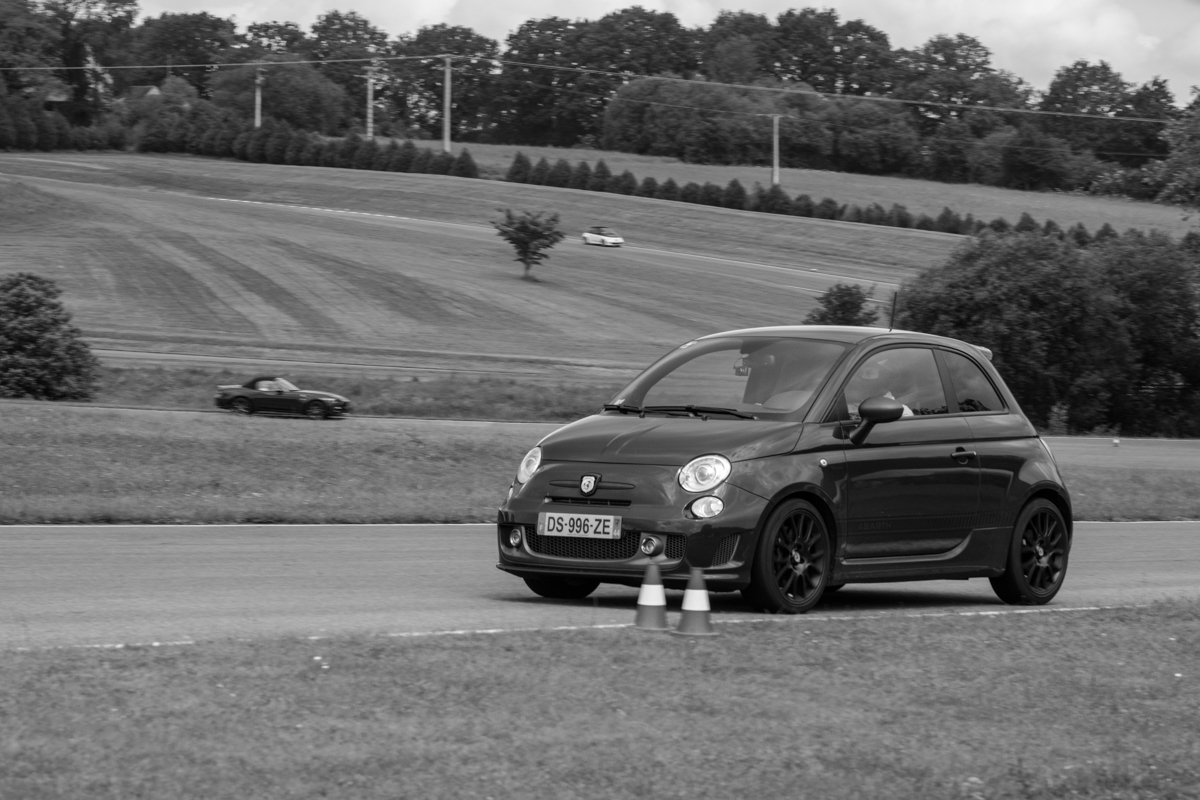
(735, 195)
(843, 304)
(899, 216)
(668, 190)
(850, 213)
(826, 209)
(531, 234)
(1000, 225)
(1105, 231)
(402, 157)
(421, 161)
(347, 150)
(601, 175)
(948, 221)
(647, 188)
(560, 174)
(540, 171)
(924, 222)
(1026, 224)
(1078, 234)
(625, 183)
(775, 201)
(711, 194)
(364, 155)
(42, 355)
(464, 165)
(803, 206)
(1051, 228)
(441, 163)
(581, 176)
(518, 171)
(691, 193)
(383, 155)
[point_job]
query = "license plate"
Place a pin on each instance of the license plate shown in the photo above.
(584, 526)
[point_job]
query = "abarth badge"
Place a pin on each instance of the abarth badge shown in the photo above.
(587, 485)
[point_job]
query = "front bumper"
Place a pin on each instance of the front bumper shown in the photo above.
(722, 546)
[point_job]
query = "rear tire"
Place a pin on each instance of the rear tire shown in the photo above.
(241, 405)
(562, 588)
(793, 562)
(1037, 556)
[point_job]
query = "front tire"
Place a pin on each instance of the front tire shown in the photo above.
(562, 588)
(793, 562)
(315, 409)
(1037, 556)
(241, 405)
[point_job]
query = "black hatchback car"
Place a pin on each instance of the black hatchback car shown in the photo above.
(787, 462)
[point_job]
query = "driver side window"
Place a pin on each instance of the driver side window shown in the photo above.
(266, 386)
(908, 375)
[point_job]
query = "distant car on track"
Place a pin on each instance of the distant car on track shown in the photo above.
(605, 237)
(280, 396)
(789, 461)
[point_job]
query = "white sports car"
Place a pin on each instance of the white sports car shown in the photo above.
(605, 237)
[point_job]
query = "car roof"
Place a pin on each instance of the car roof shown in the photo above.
(848, 334)
(250, 383)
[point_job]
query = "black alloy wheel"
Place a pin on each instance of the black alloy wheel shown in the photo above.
(241, 405)
(562, 588)
(315, 409)
(1037, 556)
(793, 562)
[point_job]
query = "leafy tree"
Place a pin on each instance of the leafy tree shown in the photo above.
(188, 38)
(737, 47)
(1078, 234)
(899, 217)
(422, 161)
(42, 355)
(364, 155)
(1032, 160)
(691, 193)
(531, 234)
(464, 165)
(297, 94)
(518, 171)
(948, 221)
(816, 48)
(441, 164)
(803, 206)
(402, 158)
(277, 145)
(775, 201)
(1052, 324)
(91, 33)
(843, 304)
(383, 155)
(711, 194)
(826, 209)
(924, 222)
(416, 88)
(28, 44)
(337, 36)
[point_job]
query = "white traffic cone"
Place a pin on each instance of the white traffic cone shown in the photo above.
(652, 602)
(695, 620)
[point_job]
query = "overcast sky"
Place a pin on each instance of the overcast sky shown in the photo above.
(1031, 38)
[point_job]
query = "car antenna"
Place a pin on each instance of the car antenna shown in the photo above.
(892, 318)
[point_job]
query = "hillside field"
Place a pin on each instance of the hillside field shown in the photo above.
(152, 255)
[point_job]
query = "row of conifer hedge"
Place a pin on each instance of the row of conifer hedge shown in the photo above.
(775, 200)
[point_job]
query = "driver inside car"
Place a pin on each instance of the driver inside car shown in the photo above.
(876, 379)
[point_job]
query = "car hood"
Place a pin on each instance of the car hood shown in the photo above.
(667, 441)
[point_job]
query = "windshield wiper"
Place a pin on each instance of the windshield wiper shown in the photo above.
(704, 411)
(624, 408)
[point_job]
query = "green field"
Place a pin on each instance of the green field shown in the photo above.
(1036, 706)
(101, 465)
(919, 196)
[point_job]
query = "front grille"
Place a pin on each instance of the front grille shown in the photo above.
(589, 501)
(725, 550)
(576, 547)
(588, 549)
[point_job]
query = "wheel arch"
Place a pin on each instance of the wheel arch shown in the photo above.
(810, 494)
(1055, 496)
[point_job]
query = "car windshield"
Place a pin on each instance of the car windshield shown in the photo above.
(286, 385)
(768, 377)
(605, 231)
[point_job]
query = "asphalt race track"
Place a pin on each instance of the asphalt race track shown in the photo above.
(108, 585)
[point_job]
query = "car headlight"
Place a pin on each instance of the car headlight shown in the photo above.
(705, 473)
(529, 464)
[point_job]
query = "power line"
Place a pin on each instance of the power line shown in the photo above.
(624, 76)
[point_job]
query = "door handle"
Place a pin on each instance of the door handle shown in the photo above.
(962, 454)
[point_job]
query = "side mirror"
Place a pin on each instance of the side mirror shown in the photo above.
(873, 411)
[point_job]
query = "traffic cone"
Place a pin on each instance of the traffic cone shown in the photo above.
(695, 620)
(652, 602)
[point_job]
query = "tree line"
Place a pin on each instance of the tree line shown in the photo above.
(743, 65)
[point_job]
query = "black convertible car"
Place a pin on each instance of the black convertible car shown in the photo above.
(787, 462)
(280, 396)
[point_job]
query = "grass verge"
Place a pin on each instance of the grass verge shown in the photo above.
(99, 465)
(1051, 705)
(450, 397)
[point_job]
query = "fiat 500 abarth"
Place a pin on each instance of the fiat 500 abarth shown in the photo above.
(787, 462)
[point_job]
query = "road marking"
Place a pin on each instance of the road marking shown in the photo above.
(784, 619)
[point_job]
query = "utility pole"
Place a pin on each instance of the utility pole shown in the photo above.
(370, 76)
(259, 78)
(446, 105)
(775, 149)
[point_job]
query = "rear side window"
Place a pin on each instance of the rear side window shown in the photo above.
(972, 389)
